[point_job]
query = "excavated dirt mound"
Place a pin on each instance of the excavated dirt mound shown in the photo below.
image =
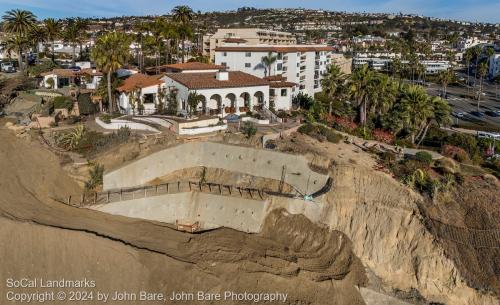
(42, 238)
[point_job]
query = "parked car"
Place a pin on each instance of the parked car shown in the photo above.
(494, 113)
(232, 118)
(7, 67)
(457, 114)
(478, 114)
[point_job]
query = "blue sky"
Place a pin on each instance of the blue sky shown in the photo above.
(471, 10)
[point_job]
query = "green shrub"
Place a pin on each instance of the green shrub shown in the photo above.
(249, 129)
(424, 157)
(106, 118)
(96, 177)
(86, 106)
(320, 133)
(63, 102)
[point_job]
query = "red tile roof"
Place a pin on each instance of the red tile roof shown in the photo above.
(61, 73)
(281, 49)
(282, 84)
(139, 80)
(207, 80)
(192, 66)
(91, 72)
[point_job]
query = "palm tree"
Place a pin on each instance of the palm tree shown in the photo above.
(476, 52)
(332, 84)
(268, 61)
(384, 96)
(110, 53)
(468, 56)
(35, 36)
(70, 35)
(82, 25)
(16, 44)
(170, 34)
(444, 78)
(417, 108)
(183, 15)
(440, 114)
(53, 31)
(483, 69)
(361, 86)
(19, 23)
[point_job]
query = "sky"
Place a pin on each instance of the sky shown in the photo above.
(466, 10)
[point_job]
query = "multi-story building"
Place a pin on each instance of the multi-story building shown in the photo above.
(239, 36)
(494, 65)
(466, 43)
(304, 65)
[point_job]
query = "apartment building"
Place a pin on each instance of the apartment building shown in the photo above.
(242, 36)
(494, 65)
(304, 65)
(466, 43)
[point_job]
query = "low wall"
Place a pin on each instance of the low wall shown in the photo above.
(255, 162)
(254, 120)
(117, 124)
(200, 130)
(199, 123)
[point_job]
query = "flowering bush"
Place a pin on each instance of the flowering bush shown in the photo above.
(344, 123)
(383, 136)
(454, 152)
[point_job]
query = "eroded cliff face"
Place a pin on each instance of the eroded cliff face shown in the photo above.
(381, 218)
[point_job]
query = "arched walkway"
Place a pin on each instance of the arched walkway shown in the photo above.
(215, 103)
(245, 102)
(203, 104)
(231, 103)
(258, 100)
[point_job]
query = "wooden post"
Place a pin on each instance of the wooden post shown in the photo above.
(167, 188)
(107, 198)
(69, 200)
(178, 186)
(210, 187)
(82, 200)
(200, 185)
(189, 185)
(229, 187)
(220, 189)
(95, 197)
(121, 194)
(156, 186)
(239, 190)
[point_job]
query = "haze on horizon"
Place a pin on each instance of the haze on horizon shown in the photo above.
(462, 10)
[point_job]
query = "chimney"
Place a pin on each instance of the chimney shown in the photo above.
(222, 75)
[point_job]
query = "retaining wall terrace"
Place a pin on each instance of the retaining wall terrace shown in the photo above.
(256, 162)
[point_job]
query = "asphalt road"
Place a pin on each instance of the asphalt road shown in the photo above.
(468, 106)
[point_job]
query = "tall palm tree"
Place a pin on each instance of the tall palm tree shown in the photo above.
(384, 95)
(268, 61)
(169, 34)
(361, 86)
(53, 31)
(332, 84)
(82, 25)
(483, 69)
(110, 53)
(476, 52)
(468, 57)
(418, 110)
(16, 43)
(183, 15)
(444, 78)
(35, 37)
(19, 23)
(70, 35)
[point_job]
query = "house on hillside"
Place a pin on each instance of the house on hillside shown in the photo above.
(232, 92)
(60, 78)
(139, 89)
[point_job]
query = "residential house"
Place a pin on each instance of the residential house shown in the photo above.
(231, 92)
(139, 89)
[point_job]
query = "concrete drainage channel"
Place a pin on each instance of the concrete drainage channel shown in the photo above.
(194, 209)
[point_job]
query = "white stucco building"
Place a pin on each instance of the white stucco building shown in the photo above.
(143, 87)
(86, 78)
(494, 65)
(232, 92)
(300, 64)
(466, 43)
(244, 36)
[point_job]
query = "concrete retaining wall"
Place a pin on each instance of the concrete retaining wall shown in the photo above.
(117, 124)
(212, 211)
(256, 162)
